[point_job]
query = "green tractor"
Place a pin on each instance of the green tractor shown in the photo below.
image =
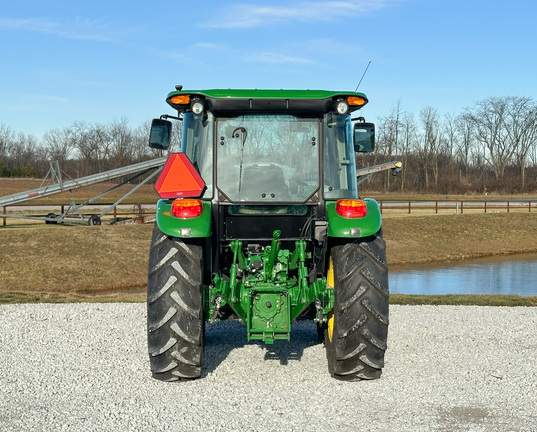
(260, 221)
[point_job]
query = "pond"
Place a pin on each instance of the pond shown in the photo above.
(514, 274)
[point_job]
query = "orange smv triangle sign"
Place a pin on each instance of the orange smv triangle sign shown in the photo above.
(179, 178)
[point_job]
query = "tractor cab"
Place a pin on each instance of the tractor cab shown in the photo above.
(269, 152)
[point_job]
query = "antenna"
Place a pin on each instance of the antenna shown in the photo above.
(367, 67)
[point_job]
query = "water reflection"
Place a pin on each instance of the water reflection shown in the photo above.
(508, 275)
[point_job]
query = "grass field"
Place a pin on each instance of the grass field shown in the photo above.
(146, 194)
(421, 239)
(109, 263)
(60, 263)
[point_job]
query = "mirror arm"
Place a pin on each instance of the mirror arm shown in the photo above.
(167, 116)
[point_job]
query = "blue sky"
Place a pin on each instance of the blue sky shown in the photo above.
(98, 61)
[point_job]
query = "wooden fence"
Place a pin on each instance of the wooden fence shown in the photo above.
(122, 211)
(407, 206)
(459, 206)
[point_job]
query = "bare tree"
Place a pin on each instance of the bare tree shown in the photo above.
(450, 135)
(463, 126)
(408, 141)
(7, 137)
(140, 143)
(18, 153)
(429, 145)
(92, 144)
(23, 156)
(489, 119)
(392, 129)
(522, 130)
(120, 137)
(58, 144)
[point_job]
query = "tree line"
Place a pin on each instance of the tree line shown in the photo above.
(490, 147)
(81, 149)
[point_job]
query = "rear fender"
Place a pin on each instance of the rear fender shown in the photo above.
(339, 226)
(195, 227)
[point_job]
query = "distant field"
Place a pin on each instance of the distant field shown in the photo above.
(61, 259)
(109, 263)
(422, 239)
(61, 263)
(145, 194)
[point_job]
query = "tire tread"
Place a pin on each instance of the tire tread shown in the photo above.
(361, 308)
(175, 326)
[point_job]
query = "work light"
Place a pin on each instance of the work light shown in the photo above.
(197, 107)
(342, 107)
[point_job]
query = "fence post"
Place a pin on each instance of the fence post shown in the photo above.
(507, 206)
(408, 206)
(380, 206)
(485, 205)
(462, 207)
(4, 212)
(436, 207)
(529, 206)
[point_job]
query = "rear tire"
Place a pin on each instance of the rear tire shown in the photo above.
(359, 329)
(175, 322)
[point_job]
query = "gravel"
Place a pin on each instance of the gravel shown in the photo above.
(448, 368)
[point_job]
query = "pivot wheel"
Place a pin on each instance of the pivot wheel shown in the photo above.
(50, 220)
(94, 220)
(357, 330)
(175, 324)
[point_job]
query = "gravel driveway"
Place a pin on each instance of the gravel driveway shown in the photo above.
(84, 367)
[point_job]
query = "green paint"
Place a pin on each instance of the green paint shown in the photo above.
(339, 226)
(199, 226)
(264, 294)
(265, 101)
(265, 94)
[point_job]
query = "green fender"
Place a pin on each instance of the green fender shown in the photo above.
(185, 228)
(339, 226)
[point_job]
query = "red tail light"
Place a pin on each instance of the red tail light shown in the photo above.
(187, 208)
(351, 208)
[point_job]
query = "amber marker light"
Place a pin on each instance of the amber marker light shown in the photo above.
(355, 101)
(187, 208)
(351, 208)
(180, 99)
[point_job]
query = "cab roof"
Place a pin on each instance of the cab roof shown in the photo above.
(237, 101)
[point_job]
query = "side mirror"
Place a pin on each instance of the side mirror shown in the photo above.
(161, 131)
(364, 137)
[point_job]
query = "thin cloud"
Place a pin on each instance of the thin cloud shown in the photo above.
(166, 54)
(79, 29)
(326, 45)
(209, 46)
(23, 102)
(67, 77)
(251, 15)
(275, 58)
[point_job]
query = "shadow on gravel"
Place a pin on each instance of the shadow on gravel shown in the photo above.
(223, 337)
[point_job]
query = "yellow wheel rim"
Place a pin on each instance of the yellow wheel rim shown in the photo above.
(330, 325)
(330, 282)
